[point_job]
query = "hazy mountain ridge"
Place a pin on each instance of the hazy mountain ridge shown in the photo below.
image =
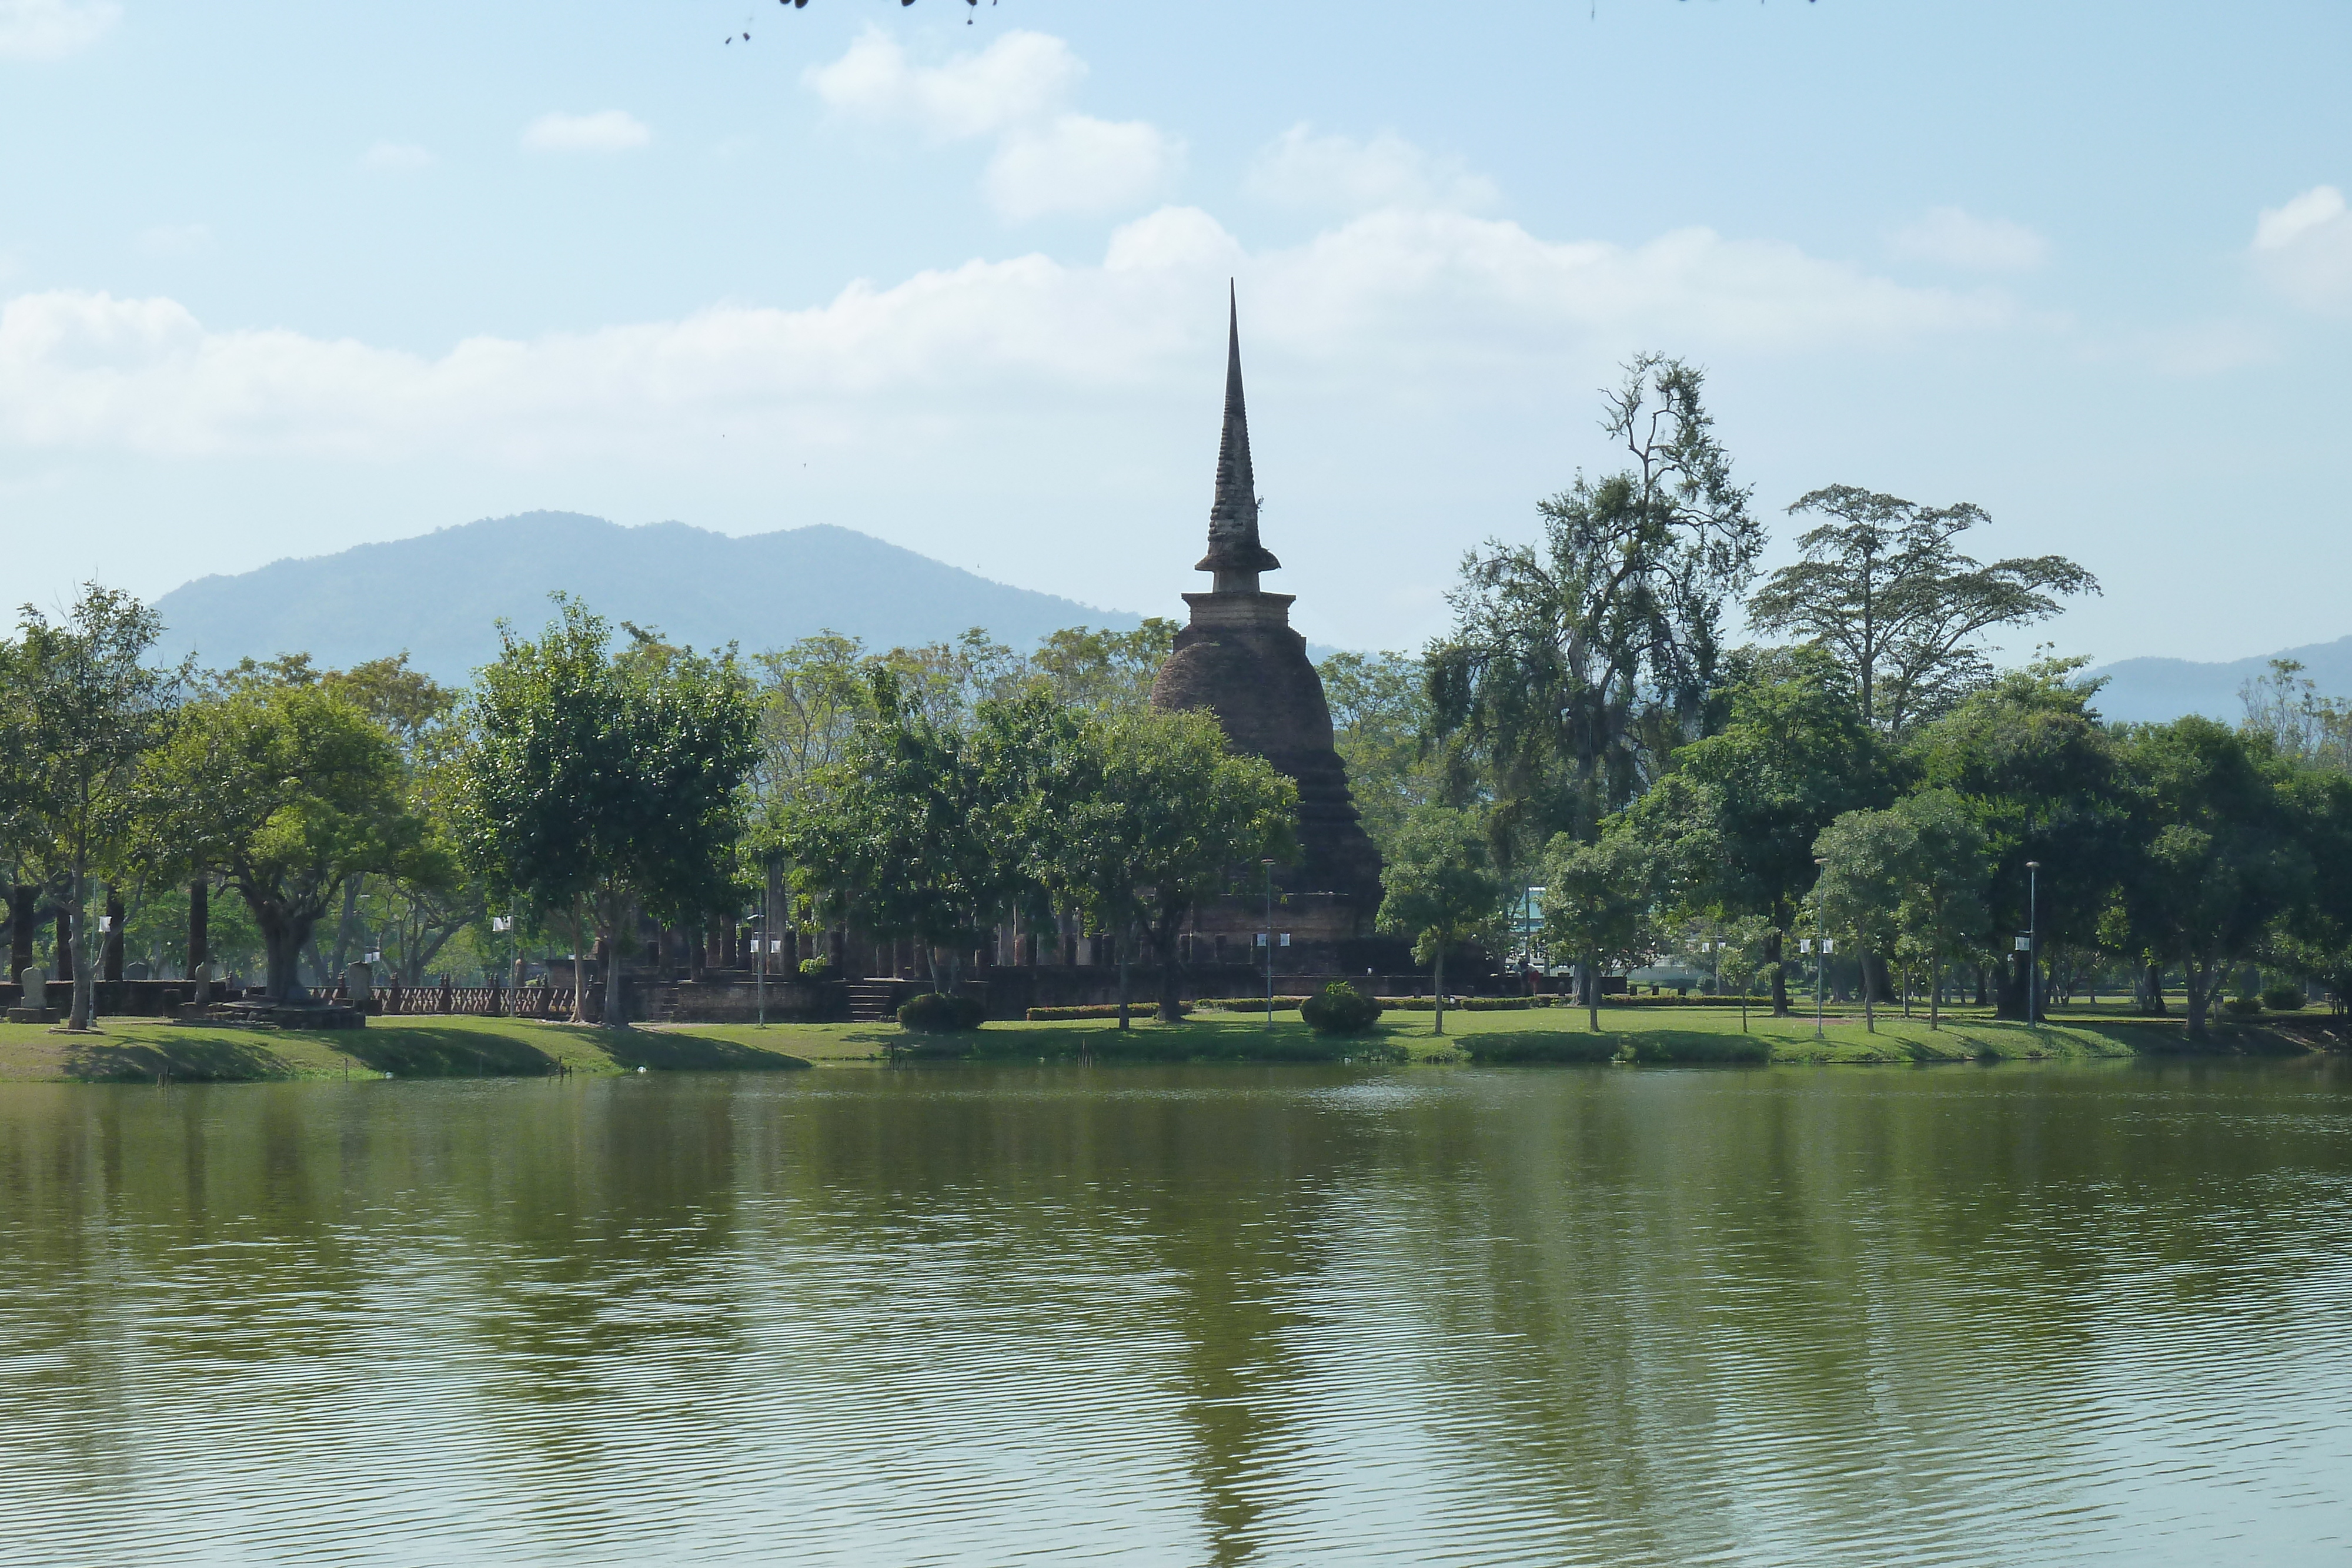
(440, 595)
(2152, 690)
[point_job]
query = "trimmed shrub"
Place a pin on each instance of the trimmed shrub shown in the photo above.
(934, 1013)
(1467, 1004)
(2286, 997)
(1340, 1009)
(1100, 1010)
(1491, 1049)
(1699, 1048)
(2244, 1007)
(1250, 1004)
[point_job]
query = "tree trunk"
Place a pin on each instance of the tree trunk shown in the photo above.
(615, 1015)
(21, 901)
(1775, 945)
(1869, 990)
(579, 967)
(282, 937)
(78, 945)
(2199, 977)
(1436, 984)
(1593, 994)
(347, 927)
(1126, 941)
(1934, 989)
(2151, 990)
(1876, 979)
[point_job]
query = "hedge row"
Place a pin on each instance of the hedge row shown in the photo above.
(1105, 1011)
(1250, 1004)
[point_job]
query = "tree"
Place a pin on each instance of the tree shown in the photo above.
(1136, 817)
(1881, 587)
(285, 792)
(1575, 667)
(1108, 671)
(1442, 888)
(2285, 706)
(1380, 726)
(2223, 849)
(1736, 820)
(1867, 865)
(2036, 770)
(905, 820)
(602, 785)
(1599, 900)
(1943, 906)
(84, 710)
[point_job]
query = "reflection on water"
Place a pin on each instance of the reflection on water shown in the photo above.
(1184, 1315)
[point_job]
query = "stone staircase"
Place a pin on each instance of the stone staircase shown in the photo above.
(873, 1001)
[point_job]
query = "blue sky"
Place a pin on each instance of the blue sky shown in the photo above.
(278, 279)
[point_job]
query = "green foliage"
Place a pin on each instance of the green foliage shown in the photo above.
(284, 792)
(1599, 904)
(1381, 728)
(1882, 588)
(2285, 996)
(933, 1012)
(1575, 667)
(1340, 1009)
(1088, 1010)
(1109, 672)
(2223, 849)
(1442, 888)
(817, 969)
(604, 783)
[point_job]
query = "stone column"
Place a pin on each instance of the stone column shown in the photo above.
(21, 899)
(200, 949)
(65, 950)
(112, 967)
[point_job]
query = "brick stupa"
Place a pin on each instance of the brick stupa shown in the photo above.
(1240, 659)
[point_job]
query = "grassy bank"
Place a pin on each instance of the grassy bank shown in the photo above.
(134, 1050)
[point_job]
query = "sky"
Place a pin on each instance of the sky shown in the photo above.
(277, 278)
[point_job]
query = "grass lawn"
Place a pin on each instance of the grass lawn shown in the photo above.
(138, 1048)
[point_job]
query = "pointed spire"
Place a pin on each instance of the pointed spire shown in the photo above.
(1234, 553)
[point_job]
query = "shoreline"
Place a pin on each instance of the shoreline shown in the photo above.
(153, 1050)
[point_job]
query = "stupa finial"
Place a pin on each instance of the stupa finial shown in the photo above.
(1234, 554)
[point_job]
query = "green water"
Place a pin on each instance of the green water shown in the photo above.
(1186, 1316)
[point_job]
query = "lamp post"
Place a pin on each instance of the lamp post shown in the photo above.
(1268, 864)
(2033, 942)
(1821, 947)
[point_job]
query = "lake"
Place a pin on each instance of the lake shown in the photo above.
(1184, 1315)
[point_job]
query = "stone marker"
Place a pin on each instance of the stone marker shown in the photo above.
(34, 1006)
(358, 984)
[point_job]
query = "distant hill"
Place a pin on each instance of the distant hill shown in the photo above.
(439, 596)
(2154, 690)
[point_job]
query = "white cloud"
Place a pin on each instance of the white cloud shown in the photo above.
(2304, 250)
(606, 130)
(1021, 77)
(1076, 163)
(1950, 236)
(1047, 159)
(51, 29)
(1428, 290)
(175, 239)
(395, 157)
(1337, 173)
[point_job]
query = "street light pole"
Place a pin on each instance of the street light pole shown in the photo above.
(1820, 948)
(1269, 942)
(2033, 942)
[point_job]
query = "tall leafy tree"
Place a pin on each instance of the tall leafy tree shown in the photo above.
(1883, 587)
(1943, 907)
(1136, 817)
(1442, 888)
(284, 792)
(1736, 819)
(1380, 726)
(84, 709)
(1868, 862)
(2036, 770)
(1600, 902)
(1574, 666)
(603, 784)
(2224, 849)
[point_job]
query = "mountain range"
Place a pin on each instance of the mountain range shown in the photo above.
(439, 597)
